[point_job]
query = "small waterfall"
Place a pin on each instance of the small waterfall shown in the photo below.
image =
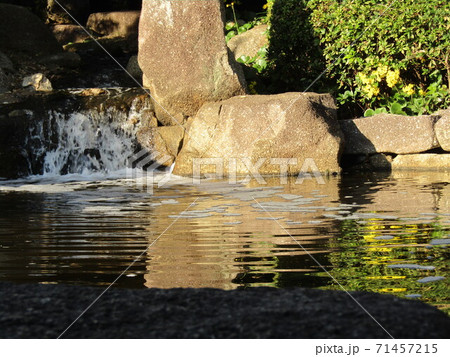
(85, 142)
(86, 145)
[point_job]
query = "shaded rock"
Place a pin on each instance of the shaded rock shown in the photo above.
(5, 62)
(213, 313)
(164, 140)
(65, 33)
(249, 42)
(442, 130)
(387, 133)
(422, 162)
(22, 31)
(380, 162)
(184, 57)
(256, 130)
(4, 81)
(115, 24)
(37, 82)
(64, 59)
(134, 69)
(79, 9)
(114, 46)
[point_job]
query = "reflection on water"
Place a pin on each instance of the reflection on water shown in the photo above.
(372, 233)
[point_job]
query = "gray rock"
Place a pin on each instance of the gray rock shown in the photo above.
(263, 129)
(422, 162)
(212, 313)
(249, 42)
(387, 133)
(66, 33)
(184, 57)
(37, 82)
(442, 130)
(22, 31)
(115, 24)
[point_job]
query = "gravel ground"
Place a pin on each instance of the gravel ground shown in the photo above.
(45, 311)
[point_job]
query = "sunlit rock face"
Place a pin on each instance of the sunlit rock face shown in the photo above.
(388, 133)
(284, 134)
(184, 57)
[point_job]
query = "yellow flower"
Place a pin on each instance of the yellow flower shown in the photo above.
(392, 78)
(421, 92)
(380, 73)
(366, 80)
(408, 89)
(371, 90)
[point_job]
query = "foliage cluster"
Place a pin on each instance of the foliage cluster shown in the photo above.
(373, 55)
(390, 55)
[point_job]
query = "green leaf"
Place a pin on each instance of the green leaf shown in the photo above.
(369, 113)
(396, 108)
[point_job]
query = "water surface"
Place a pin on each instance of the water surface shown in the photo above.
(379, 233)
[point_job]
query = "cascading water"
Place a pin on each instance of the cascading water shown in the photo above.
(86, 145)
(85, 142)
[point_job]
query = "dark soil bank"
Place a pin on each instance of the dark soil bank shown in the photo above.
(45, 311)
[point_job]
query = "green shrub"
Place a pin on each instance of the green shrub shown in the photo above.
(294, 56)
(384, 54)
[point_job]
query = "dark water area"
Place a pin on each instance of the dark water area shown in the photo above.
(378, 233)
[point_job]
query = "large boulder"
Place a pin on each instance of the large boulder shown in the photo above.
(442, 130)
(249, 42)
(78, 9)
(184, 57)
(387, 133)
(22, 31)
(115, 24)
(263, 131)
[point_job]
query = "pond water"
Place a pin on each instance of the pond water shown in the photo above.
(379, 233)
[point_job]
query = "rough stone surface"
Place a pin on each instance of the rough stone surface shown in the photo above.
(79, 9)
(249, 42)
(386, 133)
(65, 33)
(422, 162)
(115, 24)
(184, 57)
(242, 131)
(442, 130)
(22, 31)
(38, 82)
(134, 69)
(212, 313)
(165, 141)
